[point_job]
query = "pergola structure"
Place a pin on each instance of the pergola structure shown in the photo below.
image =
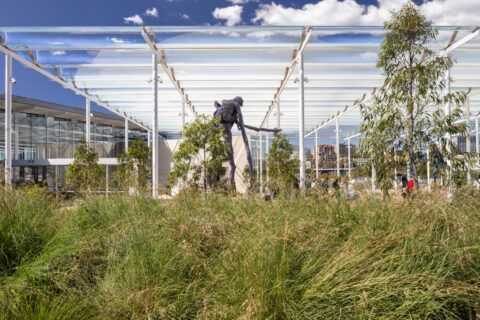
(306, 80)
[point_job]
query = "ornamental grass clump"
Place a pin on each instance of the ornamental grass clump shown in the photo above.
(211, 256)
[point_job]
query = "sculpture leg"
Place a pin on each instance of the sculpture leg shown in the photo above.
(249, 156)
(227, 135)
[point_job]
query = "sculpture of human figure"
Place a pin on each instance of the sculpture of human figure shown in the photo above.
(230, 113)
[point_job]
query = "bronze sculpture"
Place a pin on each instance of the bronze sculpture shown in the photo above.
(230, 113)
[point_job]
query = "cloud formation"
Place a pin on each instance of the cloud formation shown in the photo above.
(349, 12)
(232, 14)
(241, 1)
(185, 16)
(152, 12)
(136, 19)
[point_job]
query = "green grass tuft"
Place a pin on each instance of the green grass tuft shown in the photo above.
(214, 257)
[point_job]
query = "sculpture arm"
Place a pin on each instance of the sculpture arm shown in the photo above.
(262, 129)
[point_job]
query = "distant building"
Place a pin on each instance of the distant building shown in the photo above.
(327, 155)
(461, 141)
(343, 149)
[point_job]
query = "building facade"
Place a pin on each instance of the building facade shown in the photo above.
(45, 135)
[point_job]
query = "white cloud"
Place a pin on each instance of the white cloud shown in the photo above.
(349, 12)
(185, 16)
(58, 52)
(232, 14)
(452, 12)
(116, 40)
(151, 12)
(136, 19)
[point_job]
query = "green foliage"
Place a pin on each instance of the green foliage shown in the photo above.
(201, 154)
(407, 113)
(84, 173)
(218, 257)
(135, 167)
(281, 163)
(27, 224)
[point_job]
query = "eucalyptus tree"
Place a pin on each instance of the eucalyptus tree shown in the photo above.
(282, 164)
(406, 115)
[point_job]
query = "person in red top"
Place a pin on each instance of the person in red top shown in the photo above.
(411, 184)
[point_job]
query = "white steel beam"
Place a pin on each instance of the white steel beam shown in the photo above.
(347, 109)
(297, 55)
(65, 84)
(8, 121)
(150, 40)
(475, 33)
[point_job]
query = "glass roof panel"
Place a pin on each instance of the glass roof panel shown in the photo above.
(212, 63)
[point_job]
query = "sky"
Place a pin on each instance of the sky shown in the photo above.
(202, 12)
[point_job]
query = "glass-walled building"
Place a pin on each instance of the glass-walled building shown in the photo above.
(44, 133)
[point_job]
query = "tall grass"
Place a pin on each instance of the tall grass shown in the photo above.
(217, 257)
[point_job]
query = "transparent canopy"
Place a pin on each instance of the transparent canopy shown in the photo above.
(114, 64)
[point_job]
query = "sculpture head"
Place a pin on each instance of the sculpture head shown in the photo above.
(239, 100)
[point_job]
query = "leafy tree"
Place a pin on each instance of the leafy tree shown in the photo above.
(135, 166)
(84, 173)
(281, 163)
(406, 115)
(199, 159)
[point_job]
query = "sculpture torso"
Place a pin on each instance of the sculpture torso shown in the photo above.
(227, 111)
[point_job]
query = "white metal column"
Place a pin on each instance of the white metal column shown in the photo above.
(477, 143)
(87, 122)
(278, 113)
(428, 168)
(408, 170)
(155, 127)
(301, 129)
(316, 155)
(448, 138)
(183, 115)
(8, 121)
(267, 148)
(106, 180)
(261, 163)
(349, 161)
(338, 145)
(257, 157)
(468, 140)
(126, 135)
(395, 185)
(374, 177)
